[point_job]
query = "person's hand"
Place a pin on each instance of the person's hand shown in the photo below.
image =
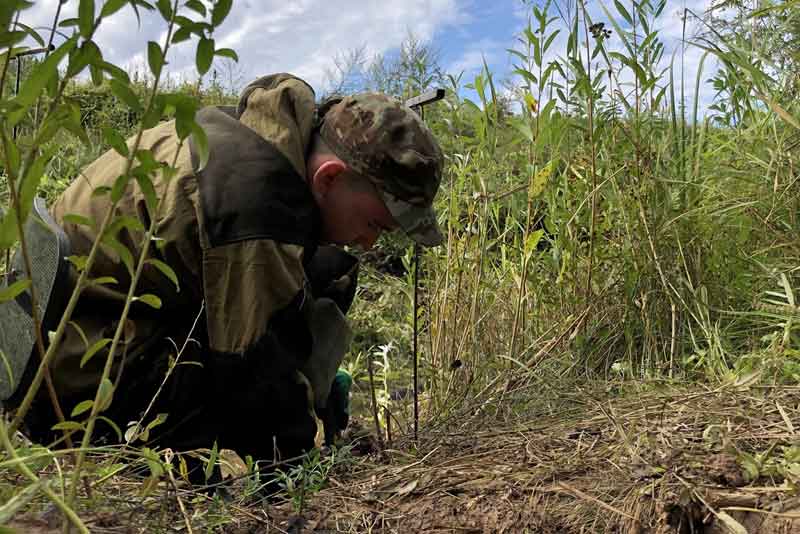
(333, 274)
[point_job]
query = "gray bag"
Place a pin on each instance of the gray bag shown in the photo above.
(48, 247)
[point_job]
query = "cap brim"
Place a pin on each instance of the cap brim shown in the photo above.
(418, 222)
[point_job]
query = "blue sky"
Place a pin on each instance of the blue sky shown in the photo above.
(303, 36)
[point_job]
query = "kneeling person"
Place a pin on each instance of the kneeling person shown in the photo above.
(252, 237)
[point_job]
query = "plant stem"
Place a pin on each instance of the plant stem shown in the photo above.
(129, 299)
(23, 469)
(593, 149)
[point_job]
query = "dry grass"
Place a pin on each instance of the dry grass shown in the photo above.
(612, 458)
(659, 461)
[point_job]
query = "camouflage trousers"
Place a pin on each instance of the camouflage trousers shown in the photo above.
(253, 406)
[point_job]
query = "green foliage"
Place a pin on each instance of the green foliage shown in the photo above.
(308, 477)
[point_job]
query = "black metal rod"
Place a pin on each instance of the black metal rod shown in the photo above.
(416, 336)
(418, 103)
(16, 92)
(33, 52)
(421, 112)
(425, 98)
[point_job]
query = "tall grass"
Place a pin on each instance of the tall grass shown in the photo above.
(614, 226)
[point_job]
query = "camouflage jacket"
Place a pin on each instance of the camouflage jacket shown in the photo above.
(236, 233)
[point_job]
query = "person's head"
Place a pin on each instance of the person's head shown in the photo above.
(374, 166)
(352, 210)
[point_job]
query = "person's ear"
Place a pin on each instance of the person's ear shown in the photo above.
(325, 177)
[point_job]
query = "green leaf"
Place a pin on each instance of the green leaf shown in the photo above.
(148, 161)
(115, 72)
(32, 179)
(166, 270)
(125, 94)
(153, 461)
(116, 141)
(532, 241)
(112, 6)
(154, 113)
(205, 55)
(540, 180)
(160, 418)
(105, 394)
(649, 39)
(91, 351)
(624, 12)
(38, 80)
(228, 53)
(86, 18)
(8, 229)
(11, 292)
(220, 11)
(201, 144)
(103, 281)
(9, 9)
(68, 425)
(125, 221)
(165, 8)
(197, 6)
(68, 23)
(100, 191)
(149, 192)
(185, 110)
(155, 58)
(113, 425)
(82, 407)
(80, 332)
(150, 299)
(183, 34)
(549, 40)
(12, 162)
(119, 187)
(9, 39)
(750, 465)
(31, 32)
(212, 460)
(87, 54)
(527, 75)
(135, 5)
(124, 254)
(78, 261)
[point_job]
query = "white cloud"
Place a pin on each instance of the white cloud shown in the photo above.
(471, 60)
(297, 36)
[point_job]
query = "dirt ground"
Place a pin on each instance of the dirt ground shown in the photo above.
(712, 460)
(662, 460)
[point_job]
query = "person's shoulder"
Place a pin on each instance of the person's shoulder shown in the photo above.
(282, 81)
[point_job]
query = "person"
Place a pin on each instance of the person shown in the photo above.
(252, 335)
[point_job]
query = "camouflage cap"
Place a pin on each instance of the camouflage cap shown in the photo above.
(385, 141)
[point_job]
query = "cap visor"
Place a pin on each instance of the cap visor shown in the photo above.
(418, 222)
